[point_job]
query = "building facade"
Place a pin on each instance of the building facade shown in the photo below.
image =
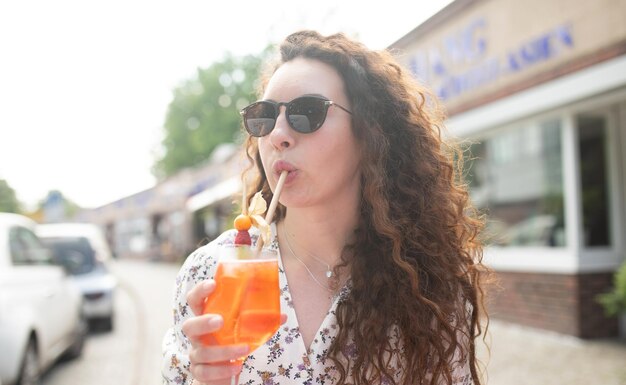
(177, 215)
(537, 90)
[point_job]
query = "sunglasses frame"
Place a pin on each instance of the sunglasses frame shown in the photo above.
(327, 104)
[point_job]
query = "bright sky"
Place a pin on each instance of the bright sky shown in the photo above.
(84, 85)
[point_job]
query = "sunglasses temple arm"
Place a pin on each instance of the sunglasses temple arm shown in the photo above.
(331, 103)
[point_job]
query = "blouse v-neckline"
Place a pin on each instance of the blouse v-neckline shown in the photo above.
(327, 326)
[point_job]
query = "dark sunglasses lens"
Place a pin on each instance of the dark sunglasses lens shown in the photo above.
(306, 114)
(260, 118)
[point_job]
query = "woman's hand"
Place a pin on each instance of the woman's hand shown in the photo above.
(209, 364)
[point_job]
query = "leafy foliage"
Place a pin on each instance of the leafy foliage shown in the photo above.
(614, 302)
(205, 112)
(8, 199)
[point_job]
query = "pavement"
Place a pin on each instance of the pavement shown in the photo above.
(523, 356)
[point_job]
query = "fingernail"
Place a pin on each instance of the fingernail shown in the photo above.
(242, 349)
(216, 321)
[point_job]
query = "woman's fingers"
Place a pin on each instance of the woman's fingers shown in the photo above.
(221, 382)
(217, 363)
(195, 327)
(217, 354)
(213, 373)
(197, 295)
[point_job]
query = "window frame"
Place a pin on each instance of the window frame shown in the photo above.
(574, 257)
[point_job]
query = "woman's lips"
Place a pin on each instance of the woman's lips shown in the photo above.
(281, 165)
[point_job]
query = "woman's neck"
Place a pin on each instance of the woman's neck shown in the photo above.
(322, 233)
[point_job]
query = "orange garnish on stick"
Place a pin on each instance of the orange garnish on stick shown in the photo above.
(254, 217)
(243, 222)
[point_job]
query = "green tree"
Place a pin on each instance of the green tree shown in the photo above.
(204, 112)
(8, 200)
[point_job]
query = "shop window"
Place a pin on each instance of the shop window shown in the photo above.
(592, 147)
(132, 235)
(515, 177)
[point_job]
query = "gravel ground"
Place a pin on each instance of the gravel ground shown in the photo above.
(524, 356)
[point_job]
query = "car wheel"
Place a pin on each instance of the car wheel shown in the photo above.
(29, 372)
(76, 349)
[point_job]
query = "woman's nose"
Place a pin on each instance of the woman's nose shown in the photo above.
(281, 136)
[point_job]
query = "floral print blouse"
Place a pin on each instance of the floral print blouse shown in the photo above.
(284, 359)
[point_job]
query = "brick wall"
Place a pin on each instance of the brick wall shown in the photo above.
(557, 302)
(593, 323)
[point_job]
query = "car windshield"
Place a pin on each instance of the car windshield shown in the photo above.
(75, 254)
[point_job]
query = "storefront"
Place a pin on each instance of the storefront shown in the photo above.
(178, 214)
(538, 91)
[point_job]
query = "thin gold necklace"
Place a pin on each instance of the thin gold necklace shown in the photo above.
(305, 266)
(329, 271)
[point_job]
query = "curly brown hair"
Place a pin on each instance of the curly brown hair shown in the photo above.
(415, 265)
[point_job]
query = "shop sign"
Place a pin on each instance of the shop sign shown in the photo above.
(461, 62)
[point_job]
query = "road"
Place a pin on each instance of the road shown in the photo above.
(131, 353)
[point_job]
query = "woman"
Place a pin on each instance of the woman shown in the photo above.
(377, 239)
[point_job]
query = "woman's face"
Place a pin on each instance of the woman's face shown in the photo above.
(323, 165)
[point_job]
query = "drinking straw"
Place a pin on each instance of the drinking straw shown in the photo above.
(270, 211)
(244, 199)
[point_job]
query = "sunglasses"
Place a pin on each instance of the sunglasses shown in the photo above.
(305, 114)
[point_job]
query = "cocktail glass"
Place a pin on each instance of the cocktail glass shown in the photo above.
(247, 296)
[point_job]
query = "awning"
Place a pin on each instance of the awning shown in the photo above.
(214, 194)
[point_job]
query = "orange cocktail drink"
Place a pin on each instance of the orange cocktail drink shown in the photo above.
(247, 296)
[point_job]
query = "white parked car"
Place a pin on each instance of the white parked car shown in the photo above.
(40, 307)
(82, 247)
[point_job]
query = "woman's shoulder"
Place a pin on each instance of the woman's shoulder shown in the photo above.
(200, 264)
(224, 239)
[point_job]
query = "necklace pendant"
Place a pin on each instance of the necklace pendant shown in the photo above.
(329, 273)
